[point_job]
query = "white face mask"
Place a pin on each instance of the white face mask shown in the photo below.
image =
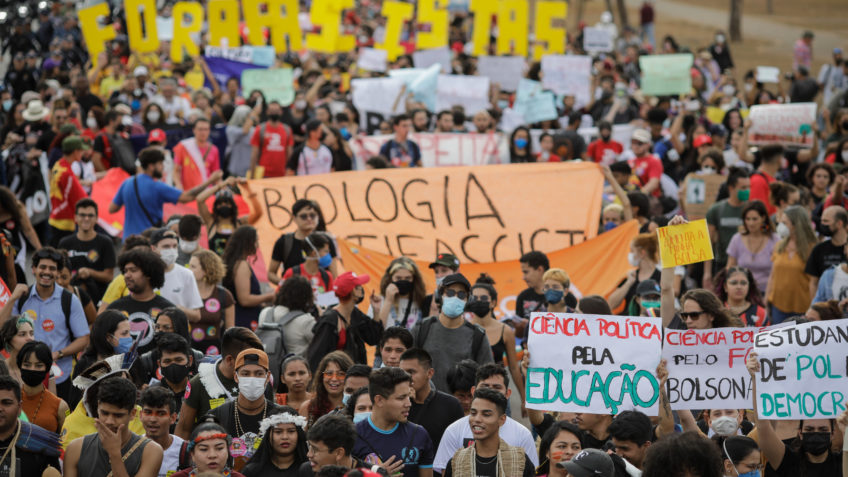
(153, 116)
(169, 255)
(708, 170)
(91, 123)
(748, 87)
(300, 104)
(251, 388)
(633, 259)
(725, 426)
(782, 230)
(728, 90)
(188, 246)
(845, 155)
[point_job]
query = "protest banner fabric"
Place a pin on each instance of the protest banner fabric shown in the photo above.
(223, 69)
(706, 368)
(803, 370)
(595, 364)
(684, 244)
(504, 70)
(581, 261)
(701, 193)
(666, 74)
(597, 39)
(441, 149)
(418, 211)
(5, 294)
(277, 84)
(568, 75)
(787, 124)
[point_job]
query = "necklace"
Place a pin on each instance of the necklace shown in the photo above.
(239, 431)
(40, 400)
(486, 462)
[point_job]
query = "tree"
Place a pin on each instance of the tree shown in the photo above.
(735, 28)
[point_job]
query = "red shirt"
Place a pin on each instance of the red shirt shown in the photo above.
(604, 152)
(647, 168)
(760, 190)
(273, 153)
(65, 192)
(317, 282)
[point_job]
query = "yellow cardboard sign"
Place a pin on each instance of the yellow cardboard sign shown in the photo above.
(434, 13)
(224, 22)
(549, 40)
(397, 14)
(512, 27)
(684, 244)
(327, 14)
(483, 11)
(95, 35)
(182, 42)
(141, 42)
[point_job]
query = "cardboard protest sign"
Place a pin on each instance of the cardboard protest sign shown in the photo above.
(504, 70)
(414, 211)
(595, 364)
(534, 104)
(787, 124)
(803, 370)
(580, 260)
(470, 92)
(432, 13)
(568, 75)
(421, 83)
(397, 14)
(768, 74)
(435, 56)
(276, 83)
(372, 59)
(441, 149)
(701, 193)
(376, 99)
(706, 368)
(5, 294)
(597, 39)
(512, 38)
(684, 244)
(550, 39)
(666, 74)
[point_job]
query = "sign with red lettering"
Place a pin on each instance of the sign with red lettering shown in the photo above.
(706, 368)
(593, 363)
(441, 149)
(787, 124)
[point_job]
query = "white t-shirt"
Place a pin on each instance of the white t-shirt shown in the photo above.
(171, 457)
(314, 161)
(180, 288)
(458, 434)
(840, 283)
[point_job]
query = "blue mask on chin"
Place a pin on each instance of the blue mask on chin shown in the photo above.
(325, 260)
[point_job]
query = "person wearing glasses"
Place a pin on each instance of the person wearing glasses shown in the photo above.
(92, 254)
(328, 386)
(57, 313)
(447, 336)
(289, 248)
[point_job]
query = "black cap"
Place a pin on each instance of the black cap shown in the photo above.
(446, 260)
(647, 287)
(162, 234)
(455, 278)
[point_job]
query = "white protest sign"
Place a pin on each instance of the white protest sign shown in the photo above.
(534, 104)
(470, 92)
(568, 75)
(594, 364)
(787, 124)
(435, 56)
(327, 299)
(706, 368)
(803, 371)
(376, 99)
(441, 149)
(504, 70)
(768, 74)
(372, 59)
(597, 39)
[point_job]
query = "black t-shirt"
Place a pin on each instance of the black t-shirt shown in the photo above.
(488, 467)
(142, 316)
(435, 414)
(529, 301)
(795, 463)
(271, 470)
(28, 463)
(97, 254)
(822, 257)
(295, 255)
(590, 442)
(628, 298)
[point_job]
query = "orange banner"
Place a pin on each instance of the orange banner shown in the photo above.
(595, 266)
(480, 214)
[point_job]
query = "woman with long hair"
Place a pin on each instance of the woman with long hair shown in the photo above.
(219, 310)
(788, 288)
(359, 405)
(824, 311)
(752, 246)
(644, 255)
(736, 288)
(42, 407)
(295, 377)
(283, 447)
(224, 219)
(783, 195)
(327, 386)
(342, 153)
(240, 279)
(402, 290)
(519, 146)
(14, 334)
(209, 446)
(560, 443)
(820, 177)
(110, 335)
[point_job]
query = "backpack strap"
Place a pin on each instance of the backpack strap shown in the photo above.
(476, 341)
(184, 461)
(325, 277)
(426, 324)
(288, 244)
(67, 299)
(22, 300)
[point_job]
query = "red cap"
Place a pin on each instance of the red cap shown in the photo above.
(157, 135)
(346, 282)
(702, 140)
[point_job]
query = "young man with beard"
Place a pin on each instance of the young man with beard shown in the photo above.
(386, 437)
(144, 194)
(21, 458)
(113, 449)
(91, 254)
(490, 456)
(158, 414)
(432, 409)
(143, 272)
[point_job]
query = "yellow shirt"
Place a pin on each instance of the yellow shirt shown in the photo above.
(790, 291)
(117, 289)
(79, 424)
(109, 84)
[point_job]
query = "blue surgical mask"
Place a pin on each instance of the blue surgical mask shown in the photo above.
(503, 104)
(554, 296)
(345, 133)
(520, 142)
(124, 345)
(345, 397)
(135, 105)
(453, 307)
(7, 104)
(360, 416)
(753, 473)
(609, 226)
(325, 260)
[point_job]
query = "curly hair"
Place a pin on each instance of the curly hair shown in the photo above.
(212, 266)
(724, 275)
(295, 294)
(710, 304)
(683, 454)
(148, 261)
(760, 208)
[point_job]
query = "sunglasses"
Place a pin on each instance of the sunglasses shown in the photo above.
(334, 374)
(453, 293)
(690, 315)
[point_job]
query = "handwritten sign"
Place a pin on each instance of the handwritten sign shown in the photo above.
(376, 99)
(534, 104)
(666, 74)
(684, 244)
(706, 368)
(5, 294)
(597, 40)
(470, 92)
(803, 370)
(276, 83)
(701, 193)
(441, 149)
(768, 74)
(595, 364)
(787, 124)
(504, 70)
(372, 59)
(568, 75)
(434, 56)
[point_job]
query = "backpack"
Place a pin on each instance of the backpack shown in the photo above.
(67, 298)
(288, 244)
(270, 333)
(123, 154)
(324, 275)
(427, 324)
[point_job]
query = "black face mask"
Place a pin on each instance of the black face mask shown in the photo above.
(403, 286)
(845, 125)
(478, 307)
(224, 211)
(175, 373)
(825, 230)
(275, 117)
(32, 378)
(815, 443)
(358, 299)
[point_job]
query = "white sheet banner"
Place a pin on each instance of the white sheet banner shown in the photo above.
(441, 149)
